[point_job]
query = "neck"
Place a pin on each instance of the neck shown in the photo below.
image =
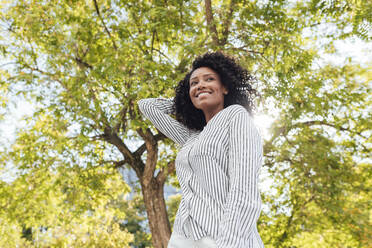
(209, 113)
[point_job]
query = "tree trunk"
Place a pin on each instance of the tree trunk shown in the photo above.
(153, 196)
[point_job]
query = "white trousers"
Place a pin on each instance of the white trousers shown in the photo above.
(178, 241)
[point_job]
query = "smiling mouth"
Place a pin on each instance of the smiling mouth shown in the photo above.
(203, 93)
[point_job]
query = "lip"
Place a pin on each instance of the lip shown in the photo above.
(204, 91)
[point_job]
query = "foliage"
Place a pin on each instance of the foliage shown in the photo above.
(69, 206)
(172, 204)
(83, 65)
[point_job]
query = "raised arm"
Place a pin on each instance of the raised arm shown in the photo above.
(243, 204)
(157, 110)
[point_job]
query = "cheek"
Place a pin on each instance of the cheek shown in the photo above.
(191, 92)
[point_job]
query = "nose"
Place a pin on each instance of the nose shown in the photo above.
(201, 85)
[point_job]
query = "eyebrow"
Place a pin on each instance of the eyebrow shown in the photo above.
(209, 74)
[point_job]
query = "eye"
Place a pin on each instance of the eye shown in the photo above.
(210, 79)
(193, 83)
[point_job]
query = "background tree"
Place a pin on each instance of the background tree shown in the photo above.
(84, 64)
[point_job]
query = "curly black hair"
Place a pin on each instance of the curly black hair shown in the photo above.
(234, 77)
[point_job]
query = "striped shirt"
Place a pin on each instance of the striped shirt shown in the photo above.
(217, 169)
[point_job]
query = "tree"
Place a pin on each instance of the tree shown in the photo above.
(86, 63)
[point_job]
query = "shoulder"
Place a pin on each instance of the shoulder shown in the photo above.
(235, 110)
(236, 115)
(238, 118)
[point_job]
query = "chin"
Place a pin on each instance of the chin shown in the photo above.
(198, 107)
(202, 106)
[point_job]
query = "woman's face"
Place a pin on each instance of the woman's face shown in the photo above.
(206, 90)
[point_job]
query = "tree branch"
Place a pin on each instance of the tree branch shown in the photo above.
(52, 76)
(246, 50)
(101, 113)
(227, 23)
(112, 138)
(104, 25)
(152, 155)
(210, 22)
(164, 55)
(290, 219)
(140, 150)
(117, 163)
(152, 41)
(122, 120)
(311, 123)
(82, 64)
(163, 174)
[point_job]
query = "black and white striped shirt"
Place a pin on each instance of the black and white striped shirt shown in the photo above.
(217, 169)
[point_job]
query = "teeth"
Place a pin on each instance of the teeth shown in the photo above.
(203, 93)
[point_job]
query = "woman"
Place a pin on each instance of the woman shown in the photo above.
(220, 155)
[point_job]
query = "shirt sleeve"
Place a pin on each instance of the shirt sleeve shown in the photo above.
(243, 203)
(158, 111)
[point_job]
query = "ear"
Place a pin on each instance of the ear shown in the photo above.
(225, 91)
